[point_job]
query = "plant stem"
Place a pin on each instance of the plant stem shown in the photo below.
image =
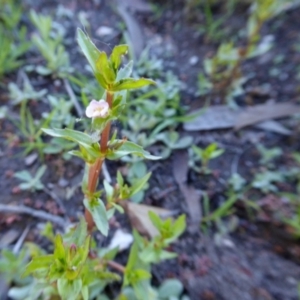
(95, 169)
(105, 133)
(116, 266)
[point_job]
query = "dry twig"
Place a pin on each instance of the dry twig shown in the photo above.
(32, 212)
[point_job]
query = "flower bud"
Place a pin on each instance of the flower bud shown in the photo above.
(72, 250)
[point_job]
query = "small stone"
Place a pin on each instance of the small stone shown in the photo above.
(63, 182)
(57, 83)
(104, 31)
(193, 60)
(30, 159)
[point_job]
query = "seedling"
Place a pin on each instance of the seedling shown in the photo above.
(28, 93)
(12, 39)
(268, 155)
(265, 181)
(32, 183)
(11, 52)
(236, 182)
(169, 289)
(224, 210)
(293, 220)
(61, 115)
(213, 27)
(224, 69)
(50, 46)
(205, 156)
(76, 269)
(12, 265)
(149, 66)
(30, 129)
(137, 169)
(10, 14)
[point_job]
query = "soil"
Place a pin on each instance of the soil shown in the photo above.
(258, 259)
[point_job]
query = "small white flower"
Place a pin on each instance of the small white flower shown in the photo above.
(97, 109)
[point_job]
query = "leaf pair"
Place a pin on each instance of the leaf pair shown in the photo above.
(106, 69)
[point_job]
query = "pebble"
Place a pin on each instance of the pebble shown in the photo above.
(193, 60)
(63, 182)
(104, 31)
(30, 159)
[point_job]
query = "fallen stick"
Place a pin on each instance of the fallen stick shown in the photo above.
(20, 241)
(32, 212)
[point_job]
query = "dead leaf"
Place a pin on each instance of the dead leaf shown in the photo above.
(136, 35)
(190, 194)
(8, 237)
(273, 126)
(214, 117)
(180, 166)
(223, 117)
(139, 218)
(262, 112)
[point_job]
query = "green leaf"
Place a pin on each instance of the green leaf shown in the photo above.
(125, 72)
(179, 225)
(120, 179)
(198, 151)
(108, 254)
(116, 55)
(88, 48)
(101, 80)
(97, 208)
(133, 256)
(222, 210)
(130, 148)
(217, 153)
(40, 172)
(104, 68)
(110, 213)
(78, 154)
(155, 219)
(85, 292)
(109, 190)
(84, 250)
(70, 134)
(131, 83)
(141, 274)
(149, 255)
(132, 277)
(183, 143)
(170, 287)
(77, 236)
(59, 249)
(83, 139)
(69, 289)
(139, 184)
(119, 208)
(163, 255)
(37, 263)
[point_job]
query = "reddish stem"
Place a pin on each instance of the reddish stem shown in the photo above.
(116, 266)
(95, 169)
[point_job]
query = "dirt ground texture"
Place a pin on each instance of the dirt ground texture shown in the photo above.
(257, 260)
